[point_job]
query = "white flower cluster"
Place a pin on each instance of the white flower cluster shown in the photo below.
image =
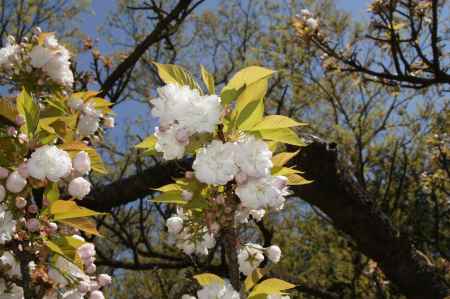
(185, 239)
(215, 291)
(9, 54)
(7, 225)
(183, 112)
(89, 120)
(251, 256)
(307, 18)
(63, 272)
(53, 59)
(248, 161)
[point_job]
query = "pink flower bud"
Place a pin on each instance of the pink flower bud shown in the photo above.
(21, 202)
(86, 250)
(83, 287)
(189, 175)
(11, 131)
(23, 170)
(23, 138)
(96, 295)
(20, 120)
(33, 225)
(15, 182)
(91, 269)
(33, 209)
(52, 227)
(104, 280)
(182, 136)
(108, 122)
(3, 173)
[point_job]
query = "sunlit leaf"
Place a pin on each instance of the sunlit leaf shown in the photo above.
(253, 279)
(284, 135)
(66, 209)
(84, 224)
(29, 109)
(208, 278)
(170, 73)
(271, 286)
(169, 197)
(275, 122)
(208, 79)
(282, 158)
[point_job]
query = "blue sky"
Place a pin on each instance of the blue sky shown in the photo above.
(131, 109)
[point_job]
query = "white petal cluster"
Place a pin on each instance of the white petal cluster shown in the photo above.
(265, 192)
(82, 163)
(10, 290)
(7, 225)
(79, 187)
(7, 53)
(15, 182)
(218, 291)
(215, 163)
(182, 112)
(89, 120)
(250, 257)
(185, 239)
(243, 214)
(49, 162)
(54, 60)
(169, 144)
(307, 18)
(253, 157)
(14, 266)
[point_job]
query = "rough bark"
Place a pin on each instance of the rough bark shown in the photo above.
(337, 193)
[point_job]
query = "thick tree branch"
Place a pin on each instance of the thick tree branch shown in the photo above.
(338, 194)
(165, 27)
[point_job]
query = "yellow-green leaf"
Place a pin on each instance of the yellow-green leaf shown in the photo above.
(84, 224)
(284, 135)
(53, 247)
(285, 171)
(250, 105)
(253, 279)
(169, 197)
(170, 73)
(147, 143)
(295, 179)
(8, 110)
(271, 286)
(208, 278)
(52, 192)
(247, 76)
(276, 122)
(169, 187)
(282, 158)
(208, 79)
(66, 209)
(29, 109)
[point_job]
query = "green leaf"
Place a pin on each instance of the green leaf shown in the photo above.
(52, 192)
(282, 158)
(169, 197)
(208, 278)
(169, 187)
(230, 95)
(53, 247)
(276, 122)
(148, 143)
(295, 179)
(284, 135)
(250, 105)
(170, 73)
(29, 109)
(8, 110)
(247, 76)
(280, 170)
(66, 209)
(253, 278)
(84, 224)
(271, 286)
(208, 79)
